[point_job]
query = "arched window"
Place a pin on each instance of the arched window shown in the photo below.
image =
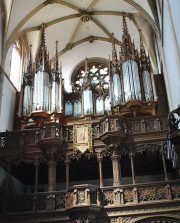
(15, 71)
(92, 86)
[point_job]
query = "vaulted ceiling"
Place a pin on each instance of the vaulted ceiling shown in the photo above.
(82, 27)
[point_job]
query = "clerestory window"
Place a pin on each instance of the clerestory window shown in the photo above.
(15, 71)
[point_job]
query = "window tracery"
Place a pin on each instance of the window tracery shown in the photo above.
(90, 89)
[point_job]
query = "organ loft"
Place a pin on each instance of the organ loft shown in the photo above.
(107, 151)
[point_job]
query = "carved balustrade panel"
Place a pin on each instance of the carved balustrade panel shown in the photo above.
(3, 140)
(113, 124)
(131, 126)
(14, 139)
(137, 126)
(108, 197)
(96, 131)
(41, 201)
(104, 127)
(69, 133)
(70, 199)
(34, 202)
(175, 191)
(30, 136)
(54, 201)
(20, 204)
(152, 194)
(159, 220)
(10, 139)
(128, 196)
(53, 130)
(60, 201)
(148, 124)
(82, 195)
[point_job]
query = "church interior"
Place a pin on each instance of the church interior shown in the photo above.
(89, 111)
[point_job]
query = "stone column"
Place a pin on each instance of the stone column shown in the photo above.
(162, 152)
(36, 176)
(116, 169)
(131, 156)
(67, 173)
(100, 171)
(51, 176)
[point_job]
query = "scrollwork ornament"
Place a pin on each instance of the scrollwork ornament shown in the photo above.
(113, 220)
(144, 147)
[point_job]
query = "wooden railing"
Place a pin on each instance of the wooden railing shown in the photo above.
(131, 126)
(27, 137)
(33, 202)
(88, 195)
(142, 193)
(85, 195)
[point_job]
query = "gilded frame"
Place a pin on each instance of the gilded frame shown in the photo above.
(82, 137)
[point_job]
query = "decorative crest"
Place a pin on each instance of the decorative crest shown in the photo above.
(86, 81)
(114, 53)
(27, 79)
(144, 60)
(57, 63)
(55, 70)
(42, 57)
(125, 28)
(128, 51)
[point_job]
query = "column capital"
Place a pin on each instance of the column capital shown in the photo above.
(131, 154)
(36, 161)
(99, 157)
(67, 161)
(115, 157)
(162, 150)
(51, 163)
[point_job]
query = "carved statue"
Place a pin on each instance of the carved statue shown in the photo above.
(173, 121)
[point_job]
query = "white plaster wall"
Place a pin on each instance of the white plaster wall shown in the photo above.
(7, 106)
(7, 65)
(1, 32)
(171, 34)
(175, 9)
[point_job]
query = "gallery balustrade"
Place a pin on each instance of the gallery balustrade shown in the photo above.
(14, 139)
(91, 195)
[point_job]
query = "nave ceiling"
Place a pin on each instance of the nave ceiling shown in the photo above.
(82, 28)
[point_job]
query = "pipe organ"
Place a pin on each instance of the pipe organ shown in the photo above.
(98, 88)
(42, 85)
